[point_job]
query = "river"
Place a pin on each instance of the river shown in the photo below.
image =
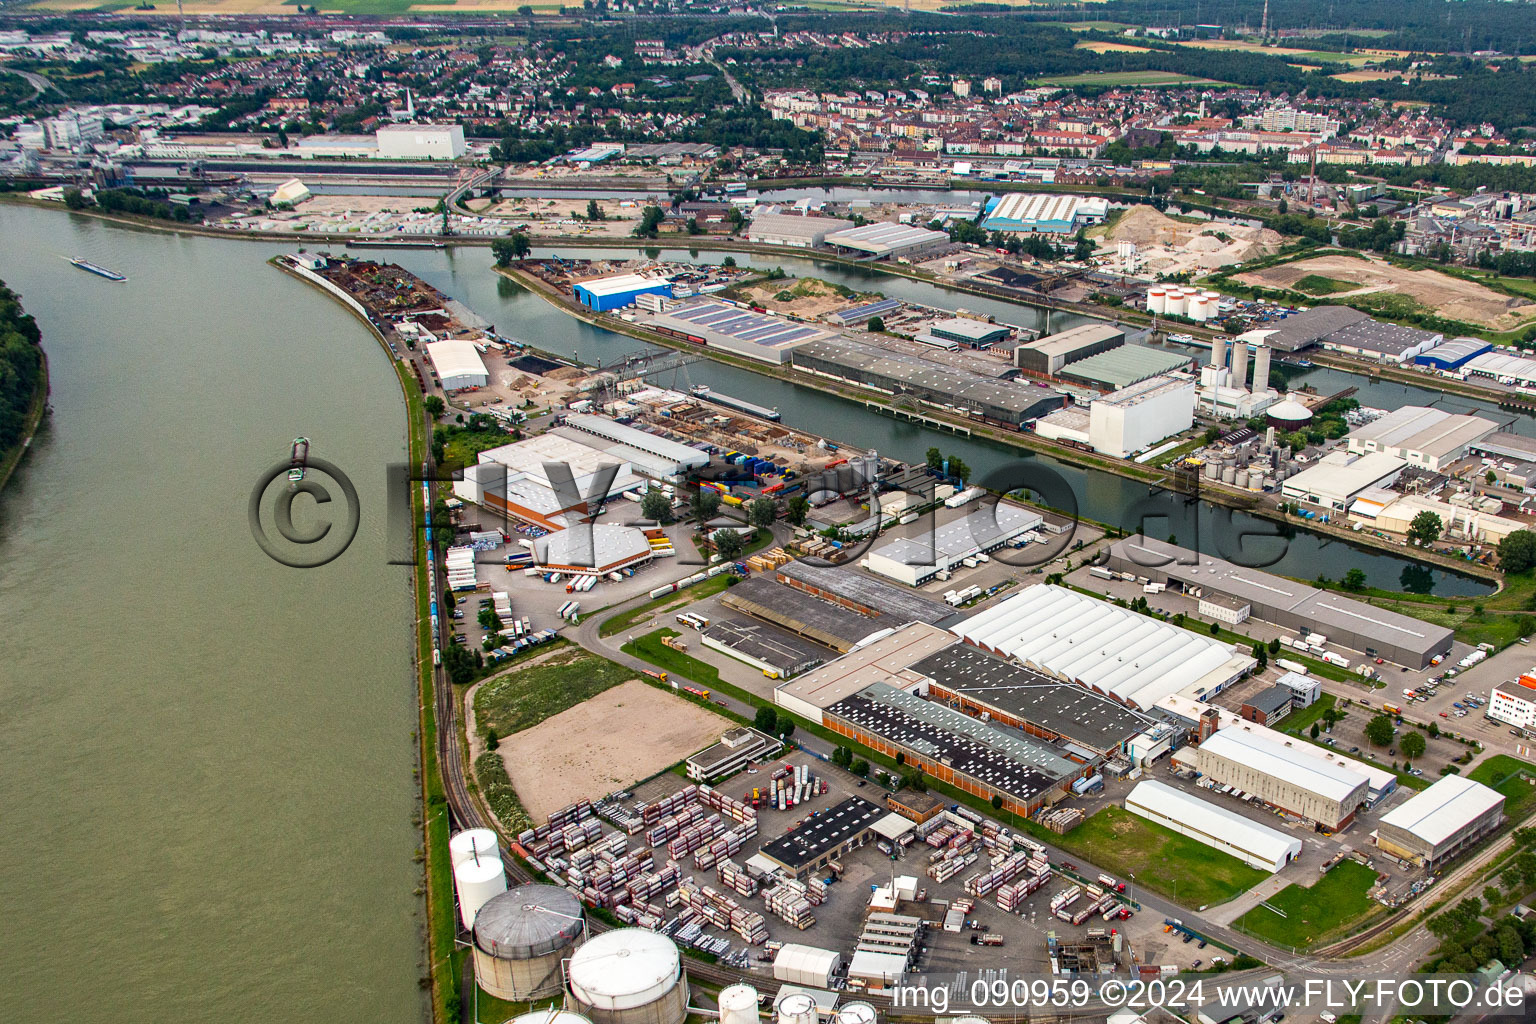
(209, 796)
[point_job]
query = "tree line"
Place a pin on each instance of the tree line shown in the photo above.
(21, 367)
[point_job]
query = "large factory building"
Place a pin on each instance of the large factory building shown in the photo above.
(793, 230)
(458, 364)
(605, 293)
(1254, 844)
(1356, 625)
(1046, 356)
(1287, 773)
(1141, 415)
(1440, 822)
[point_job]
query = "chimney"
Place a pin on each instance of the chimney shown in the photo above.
(1261, 369)
(1210, 720)
(1239, 365)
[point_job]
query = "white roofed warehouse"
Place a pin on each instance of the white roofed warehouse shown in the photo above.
(458, 364)
(793, 230)
(880, 240)
(1290, 774)
(1441, 821)
(1250, 842)
(1131, 657)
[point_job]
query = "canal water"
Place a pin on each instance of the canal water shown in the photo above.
(207, 811)
(1100, 496)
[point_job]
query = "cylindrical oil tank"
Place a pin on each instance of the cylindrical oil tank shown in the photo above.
(795, 1008)
(521, 937)
(1212, 470)
(1199, 308)
(1228, 474)
(1157, 300)
(629, 976)
(466, 844)
(477, 881)
(738, 1004)
(550, 1015)
(968, 1020)
(1174, 302)
(1288, 415)
(855, 1013)
(1240, 479)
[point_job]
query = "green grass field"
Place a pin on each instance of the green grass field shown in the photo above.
(1135, 78)
(1162, 860)
(523, 698)
(1317, 284)
(650, 648)
(1337, 902)
(1503, 773)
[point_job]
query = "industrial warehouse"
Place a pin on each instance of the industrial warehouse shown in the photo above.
(971, 755)
(809, 615)
(1045, 357)
(743, 332)
(1221, 829)
(458, 364)
(1126, 421)
(886, 240)
(1339, 620)
(1130, 657)
(1291, 774)
(769, 652)
(1055, 214)
(916, 560)
(1440, 822)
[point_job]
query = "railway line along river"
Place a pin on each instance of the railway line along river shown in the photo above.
(209, 803)
(209, 795)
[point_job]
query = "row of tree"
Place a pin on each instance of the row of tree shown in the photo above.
(21, 368)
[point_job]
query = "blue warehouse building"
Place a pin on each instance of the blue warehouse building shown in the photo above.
(605, 293)
(1453, 354)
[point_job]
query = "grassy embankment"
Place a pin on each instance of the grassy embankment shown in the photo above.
(623, 620)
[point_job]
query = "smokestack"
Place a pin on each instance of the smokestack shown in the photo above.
(1239, 365)
(1260, 369)
(1219, 353)
(1210, 719)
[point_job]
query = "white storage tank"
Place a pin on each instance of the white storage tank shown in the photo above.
(738, 1004)
(855, 1013)
(477, 880)
(968, 1020)
(1157, 300)
(1175, 302)
(521, 938)
(1199, 308)
(629, 976)
(795, 1008)
(550, 1015)
(466, 844)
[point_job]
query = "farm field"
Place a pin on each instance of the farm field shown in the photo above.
(1324, 56)
(1448, 296)
(1308, 916)
(1149, 79)
(579, 755)
(1103, 46)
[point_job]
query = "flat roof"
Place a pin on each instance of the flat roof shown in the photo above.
(1007, 761)
(986, 527)
(880, 239)
(719, 320)
(1078, 714)
(596, 546)
(792, 225)
(1123, 366)
(456, 357)
(1340, 475)
(602, 426)
(1382, 338)
(1264, 590)
(1293, 760)
(1419, 428)
(781, 650)
(618, 284)
(1213, 820)
(966, 327)
(885, 660)
(1146, 390)
(1271, 699)
(824, 831)
(804, 613)
(1506, 445)
(518, 470)
(1115, 651)
(891, 603)
(1445, 808)
(1072, 339)
(1305, 328)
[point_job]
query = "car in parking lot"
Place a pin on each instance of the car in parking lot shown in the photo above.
(1445, 714)
(1188, 938)
(1354, 750)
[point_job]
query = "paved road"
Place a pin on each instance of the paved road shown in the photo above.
(38, 83)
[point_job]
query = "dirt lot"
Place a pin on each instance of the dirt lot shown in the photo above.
(579, 754)
(1100, 46)
(807, 297)
(1448, 296)
(546, 216)
(1174, 246)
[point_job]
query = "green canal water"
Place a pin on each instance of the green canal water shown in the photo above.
(207, 810)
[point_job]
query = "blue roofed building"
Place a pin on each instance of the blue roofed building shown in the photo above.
(618, 291)
(1453, 354)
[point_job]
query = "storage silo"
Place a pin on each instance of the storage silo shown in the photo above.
(1157, 300)
(1199, 308)
(1239, 364)
(550, 1015)
(738, 1004)
(971, 1019)
(521, 937)
(1240, 479)
(795, 1008)
(629, 976)
(477, 881)
(1288, 416)
(1228, 474)
(1261, 357)
(1175, 302)
(1219, 352)
(855, 1013)
(466, 844)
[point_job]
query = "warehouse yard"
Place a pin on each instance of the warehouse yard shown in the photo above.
(1447, 296)
(579, 754)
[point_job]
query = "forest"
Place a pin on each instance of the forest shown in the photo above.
(21, 368)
